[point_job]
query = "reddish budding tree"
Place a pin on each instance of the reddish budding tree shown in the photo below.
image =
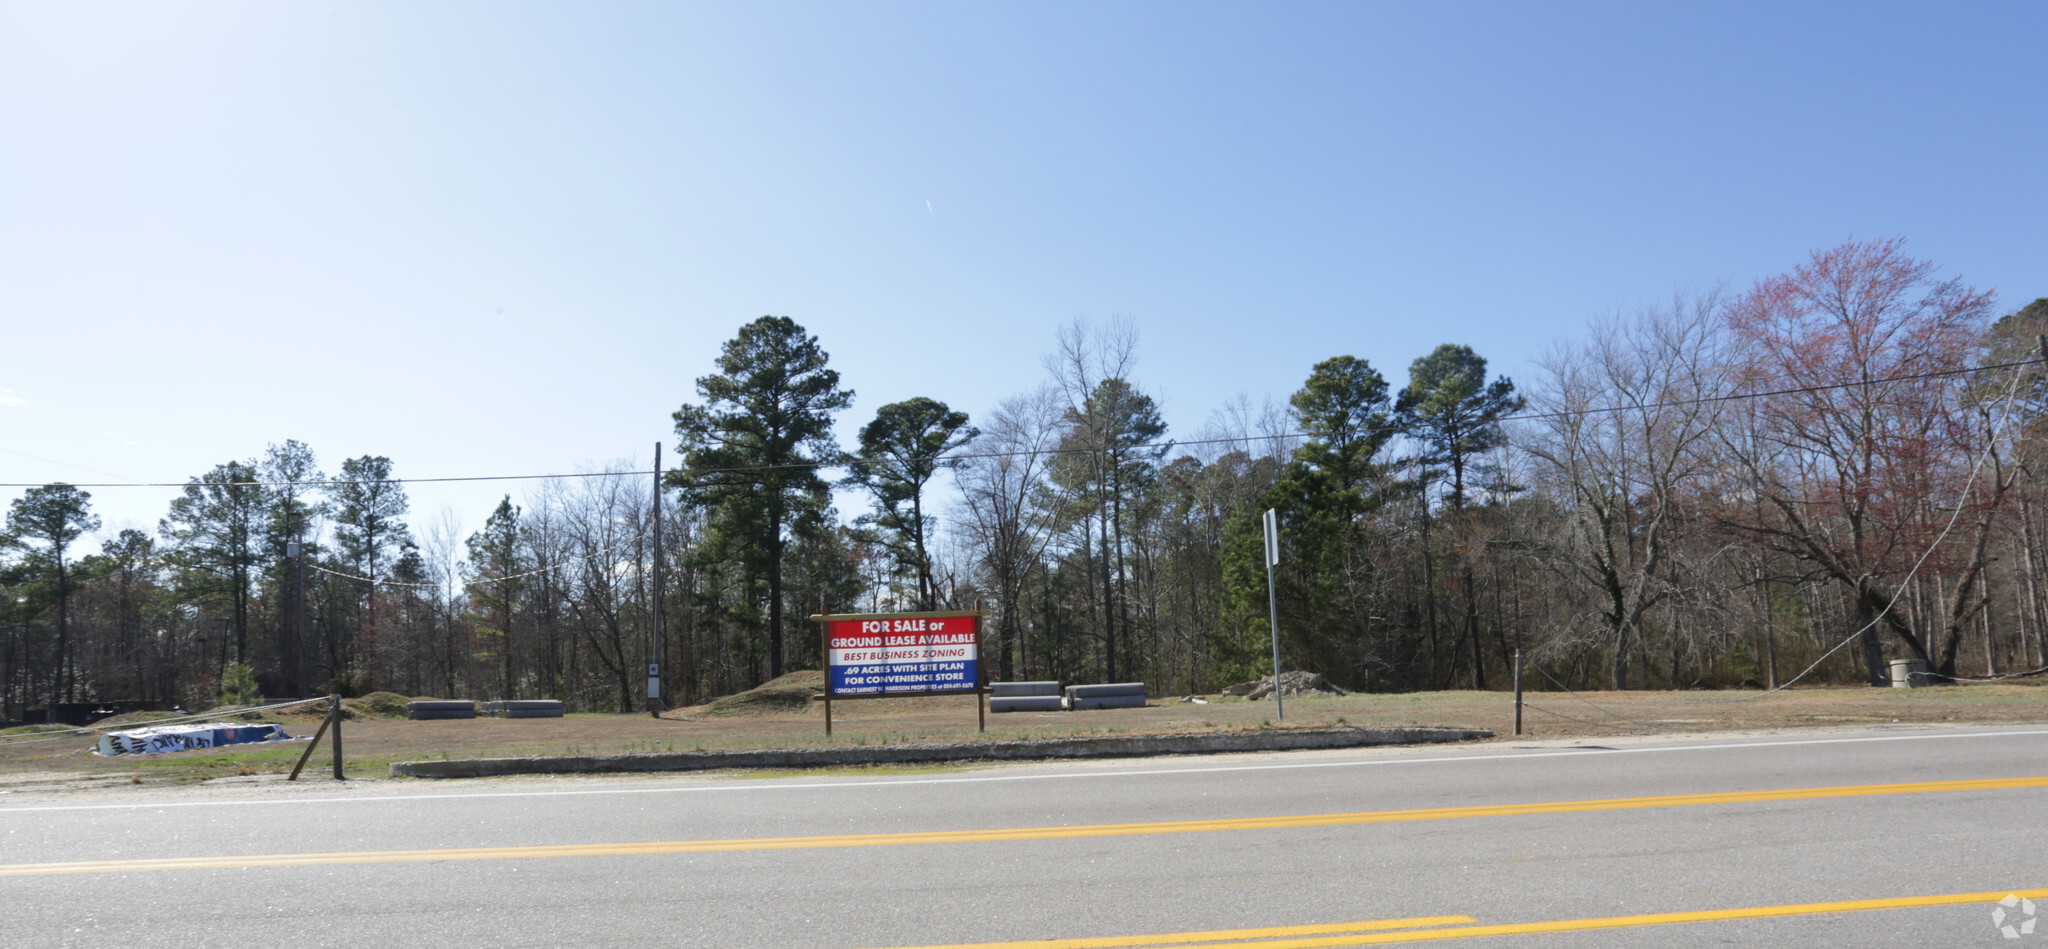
(1859, 468)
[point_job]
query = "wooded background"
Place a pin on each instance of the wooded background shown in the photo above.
(1709, 492)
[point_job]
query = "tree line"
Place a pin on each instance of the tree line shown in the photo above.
(1831, 469)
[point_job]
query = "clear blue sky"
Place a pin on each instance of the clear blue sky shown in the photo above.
(498, 238)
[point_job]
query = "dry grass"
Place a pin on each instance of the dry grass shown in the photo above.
(373, 743)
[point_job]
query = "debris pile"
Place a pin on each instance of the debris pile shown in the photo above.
(1291, 683)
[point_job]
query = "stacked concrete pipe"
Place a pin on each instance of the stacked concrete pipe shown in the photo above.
(525, 708)
(1024, 697)
(1111, 695)
(440, 708)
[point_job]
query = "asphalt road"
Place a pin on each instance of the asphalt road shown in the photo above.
(1496, 844)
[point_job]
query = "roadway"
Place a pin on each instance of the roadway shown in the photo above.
(1891, 837)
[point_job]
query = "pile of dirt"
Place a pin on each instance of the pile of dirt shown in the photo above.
(221, 713)
(134, 718)
(791, 693)
(1291, 683)
(375, 705)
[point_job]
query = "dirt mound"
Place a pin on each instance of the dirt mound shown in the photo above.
(376, 705)
(134, 718)
(791, 693)
(1291, 683)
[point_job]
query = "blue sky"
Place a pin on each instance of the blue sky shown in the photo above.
(505, 238)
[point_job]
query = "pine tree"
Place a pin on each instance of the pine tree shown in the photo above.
(751, 451)
(900, 452)
(216, 528)
(55, 516)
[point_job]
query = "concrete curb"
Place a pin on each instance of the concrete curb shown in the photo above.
(1277, 739)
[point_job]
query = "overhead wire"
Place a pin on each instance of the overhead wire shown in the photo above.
(516, 576)
(691, 472)
(1237, 439)
(2006, 404)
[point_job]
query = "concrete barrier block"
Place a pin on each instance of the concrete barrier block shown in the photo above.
(1025, 703)
(1018, 689)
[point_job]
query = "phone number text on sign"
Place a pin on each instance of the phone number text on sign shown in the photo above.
(906, 655)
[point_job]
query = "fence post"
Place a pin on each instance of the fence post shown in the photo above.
(315, 743)
(1518, 691)
(334, 713)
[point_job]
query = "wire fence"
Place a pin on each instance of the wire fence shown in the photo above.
(31, 738)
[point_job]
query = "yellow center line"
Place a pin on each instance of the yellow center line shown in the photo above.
(1234, 936)
(999, 835)
(1358, 938)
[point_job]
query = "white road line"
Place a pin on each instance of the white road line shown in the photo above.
(373, 798)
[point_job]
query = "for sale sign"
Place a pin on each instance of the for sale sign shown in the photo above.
(902, 653)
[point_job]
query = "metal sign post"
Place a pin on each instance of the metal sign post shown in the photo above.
(1273, 606)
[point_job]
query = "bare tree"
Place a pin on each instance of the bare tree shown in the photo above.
(1623, 441)
(999, 486)
(1863, 348)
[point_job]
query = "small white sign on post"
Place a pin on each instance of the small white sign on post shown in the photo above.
(1272, 539)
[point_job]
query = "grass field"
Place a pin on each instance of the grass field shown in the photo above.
(378, 738)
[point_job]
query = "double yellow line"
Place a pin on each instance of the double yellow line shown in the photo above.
(995, 836)
(1374, 932)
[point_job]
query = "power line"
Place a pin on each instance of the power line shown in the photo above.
(516, 576)
(2011, 395)
(963, 456)
(67, 464)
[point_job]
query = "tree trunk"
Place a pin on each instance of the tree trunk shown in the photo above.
(1472, 628)
(60, 688)
(1873, 651)
(1619, 677)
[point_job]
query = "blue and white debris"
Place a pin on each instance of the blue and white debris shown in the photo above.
(163, 738)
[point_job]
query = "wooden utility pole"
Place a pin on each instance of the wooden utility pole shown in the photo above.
(654, 650)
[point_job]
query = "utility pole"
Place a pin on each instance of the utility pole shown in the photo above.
(654, 650)
(225, 623)
(1273, 606)
(1518, 691)
(296, 549)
